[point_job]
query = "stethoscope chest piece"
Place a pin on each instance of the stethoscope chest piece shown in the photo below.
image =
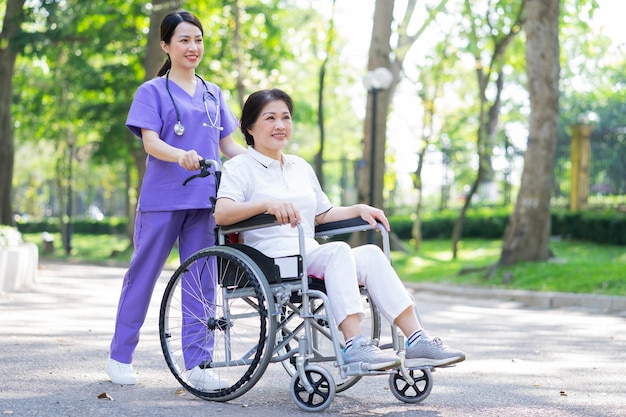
(179, 129)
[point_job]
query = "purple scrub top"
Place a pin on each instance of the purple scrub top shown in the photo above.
(152, 109)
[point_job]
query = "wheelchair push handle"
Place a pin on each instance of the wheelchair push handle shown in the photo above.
(205, 170)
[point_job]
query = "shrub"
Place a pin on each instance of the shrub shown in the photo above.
(9, 236)
(489, 223)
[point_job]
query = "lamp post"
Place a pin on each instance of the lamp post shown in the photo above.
(375, 81)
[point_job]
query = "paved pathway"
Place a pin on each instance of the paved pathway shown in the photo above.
(521, 361)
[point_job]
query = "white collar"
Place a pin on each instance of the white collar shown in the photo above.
(265, 160)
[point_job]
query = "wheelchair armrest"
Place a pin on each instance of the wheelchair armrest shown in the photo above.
(356, 224)
(255, 222)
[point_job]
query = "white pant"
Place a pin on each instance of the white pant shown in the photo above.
(344, 268)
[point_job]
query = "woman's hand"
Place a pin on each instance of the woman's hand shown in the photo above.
(284, 212)
(372, 215)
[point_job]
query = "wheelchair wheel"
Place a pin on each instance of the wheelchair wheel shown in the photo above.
(217, 314)
(323, 389)
(322, 346)
(418, 391)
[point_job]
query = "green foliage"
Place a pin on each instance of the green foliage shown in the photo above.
(108, 226)
(87, 248)
(604, 227)
(599, 227)
(82, 62)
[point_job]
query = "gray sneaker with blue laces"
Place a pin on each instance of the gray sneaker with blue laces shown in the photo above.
(430, 351)
(370, 355)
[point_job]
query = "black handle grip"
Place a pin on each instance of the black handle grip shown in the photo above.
(205, 170)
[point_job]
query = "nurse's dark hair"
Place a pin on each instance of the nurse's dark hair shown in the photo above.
(255, 103)
(168, 25)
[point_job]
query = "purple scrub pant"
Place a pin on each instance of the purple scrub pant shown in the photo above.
(155, 235)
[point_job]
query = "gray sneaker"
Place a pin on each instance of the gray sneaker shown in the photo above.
(368, 353)
(430, 351)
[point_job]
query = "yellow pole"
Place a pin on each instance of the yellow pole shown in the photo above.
(580, 158)
(574, 175)
(585, 157)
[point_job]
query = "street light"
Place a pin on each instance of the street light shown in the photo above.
(375, 81)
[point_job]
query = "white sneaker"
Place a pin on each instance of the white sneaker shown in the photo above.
(120, 373)
(205, 379)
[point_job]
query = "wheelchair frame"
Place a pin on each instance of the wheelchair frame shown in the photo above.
(229, 309)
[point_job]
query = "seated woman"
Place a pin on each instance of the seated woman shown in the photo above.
(264, 180)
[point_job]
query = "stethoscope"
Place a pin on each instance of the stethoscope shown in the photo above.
(179, 129)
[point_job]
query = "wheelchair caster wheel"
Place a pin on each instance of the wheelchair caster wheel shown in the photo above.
(411, 393)
(323, 389)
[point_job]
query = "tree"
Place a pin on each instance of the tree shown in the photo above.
(9, 49)
(386, 51)
(152, 61)
(432, 77)
(319, 156)
(527, 234)
(389, 52)
(490, 75)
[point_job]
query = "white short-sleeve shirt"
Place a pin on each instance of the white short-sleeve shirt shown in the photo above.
(253, 176)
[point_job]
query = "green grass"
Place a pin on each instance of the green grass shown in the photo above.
(105, 249)
(579, 267)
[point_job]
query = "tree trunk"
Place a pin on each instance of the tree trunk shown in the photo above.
(152, 61)
(379, 56)
(238, 8)
(488, 119)
(13, 18)
(319, 156)
(527, 234)
(485, 134)
(155, 57)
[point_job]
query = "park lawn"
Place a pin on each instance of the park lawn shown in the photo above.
(101, 249)
(579, 267)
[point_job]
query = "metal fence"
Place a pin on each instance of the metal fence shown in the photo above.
(607, 167)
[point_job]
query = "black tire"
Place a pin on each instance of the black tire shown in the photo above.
(323, 389)
(411, 393)
(239, 323)
(323, 351)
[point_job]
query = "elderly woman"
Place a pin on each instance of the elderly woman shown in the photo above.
(265, 180)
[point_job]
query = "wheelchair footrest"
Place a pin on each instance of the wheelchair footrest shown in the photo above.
(358, 369)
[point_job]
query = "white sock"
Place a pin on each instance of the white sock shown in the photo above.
(415, 336)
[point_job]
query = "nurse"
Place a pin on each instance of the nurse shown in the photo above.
(180, 119)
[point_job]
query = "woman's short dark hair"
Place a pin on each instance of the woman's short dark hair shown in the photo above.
(255, 103)
(169, 25)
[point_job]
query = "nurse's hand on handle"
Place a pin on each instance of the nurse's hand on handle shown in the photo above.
(190, 160)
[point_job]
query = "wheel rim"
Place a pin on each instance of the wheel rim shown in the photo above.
(238, 324)
(411, 393)
(323, 350)
(323, 389)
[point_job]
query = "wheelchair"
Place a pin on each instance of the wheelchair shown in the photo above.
(231, 309)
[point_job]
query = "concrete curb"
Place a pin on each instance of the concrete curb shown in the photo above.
(549, 300)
